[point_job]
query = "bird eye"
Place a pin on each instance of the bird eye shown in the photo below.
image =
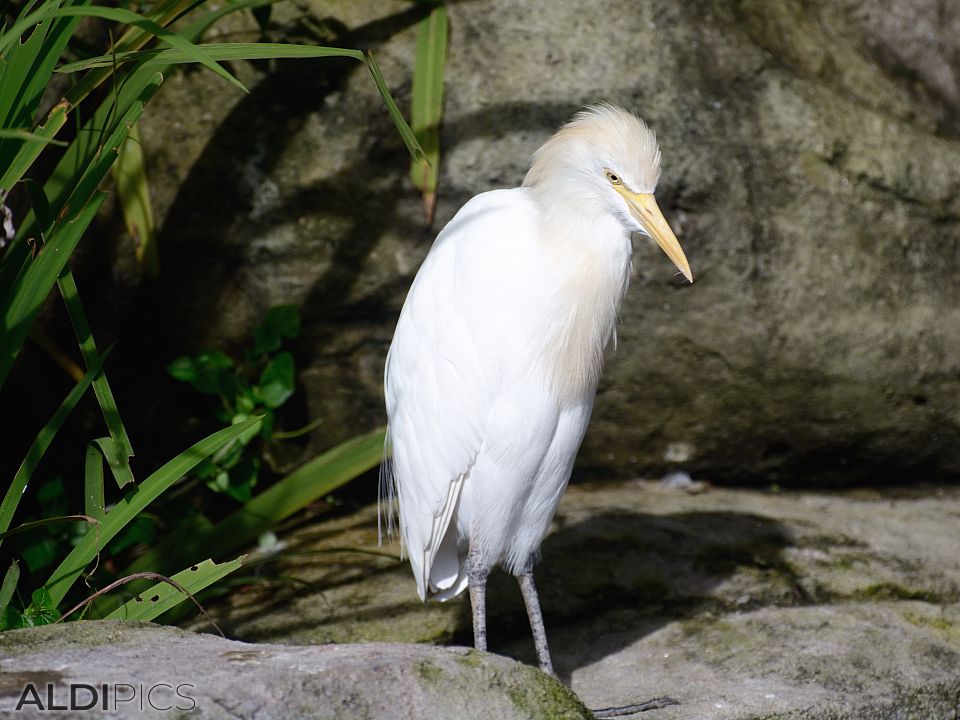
(613, 178)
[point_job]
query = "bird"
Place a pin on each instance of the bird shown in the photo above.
(492, 372)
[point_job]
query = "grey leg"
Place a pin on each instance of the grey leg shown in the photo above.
(477, 582)
(530, 599)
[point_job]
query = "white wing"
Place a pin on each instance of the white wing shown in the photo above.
(444, 369)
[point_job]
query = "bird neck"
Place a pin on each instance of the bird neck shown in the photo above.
(587, 251)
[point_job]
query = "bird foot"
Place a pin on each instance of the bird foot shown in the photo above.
(624, 710)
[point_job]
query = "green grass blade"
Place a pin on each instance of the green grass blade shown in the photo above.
(409, 139)
(27, 135)
(215, 51)
(198, 27)
(93, 497)
(10, 580)
(426, 106)
(119, 451)
(33, 284)
(133, 503)
(12, 497)
(25, 73)
(122, 16)
(31, 149)
(310, 481)
(105, 155)
(153, 602)
(133, 194)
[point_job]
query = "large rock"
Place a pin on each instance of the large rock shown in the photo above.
(810, 166)
(739, 604)
(144, 670)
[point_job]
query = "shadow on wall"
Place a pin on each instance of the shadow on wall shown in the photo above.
(210, 225)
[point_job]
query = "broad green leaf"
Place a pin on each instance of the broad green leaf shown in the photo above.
(151, 603)
(211, 372)
(12, 497)
(133, 503)
(281, 322)
(277, 381)
(41, 611)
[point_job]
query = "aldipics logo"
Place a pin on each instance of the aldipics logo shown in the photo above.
(107, 696)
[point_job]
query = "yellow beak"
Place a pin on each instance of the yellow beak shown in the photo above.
(644, 208)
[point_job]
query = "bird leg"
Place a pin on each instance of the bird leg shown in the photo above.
(530, 599)
(477, 574)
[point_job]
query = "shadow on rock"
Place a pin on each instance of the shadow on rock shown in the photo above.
(619, 576)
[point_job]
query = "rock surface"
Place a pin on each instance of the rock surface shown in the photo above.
(741, 604)
(208, 677)
(811, 169)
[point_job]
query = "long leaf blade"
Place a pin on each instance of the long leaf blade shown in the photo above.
(123, 16)
(119, 451)
(426, 106)
(409, 139)
(154, 601)
(10, 580)
(312, 480)
(135, 501)
(39, 446)
(133, 194)
(215, 51)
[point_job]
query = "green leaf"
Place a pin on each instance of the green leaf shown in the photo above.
(119, 450)
(132, 504)
(31, 149)
(10, 580)
(36, 452)
(41, 611)
(312, 480)
(224, 52)
(250, 434)
(33, 279)
(211, 372)
(413, 146)
(123, 16)
(282, 322)
(11, 619)
(277, 381)
(151, 603)
(427, 100)
(93, 497)
(133, 195)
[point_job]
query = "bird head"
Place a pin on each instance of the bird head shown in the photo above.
(608, 156)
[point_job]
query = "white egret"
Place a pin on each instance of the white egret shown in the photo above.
(491, 376)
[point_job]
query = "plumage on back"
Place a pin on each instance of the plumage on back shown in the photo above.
(493, 368)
